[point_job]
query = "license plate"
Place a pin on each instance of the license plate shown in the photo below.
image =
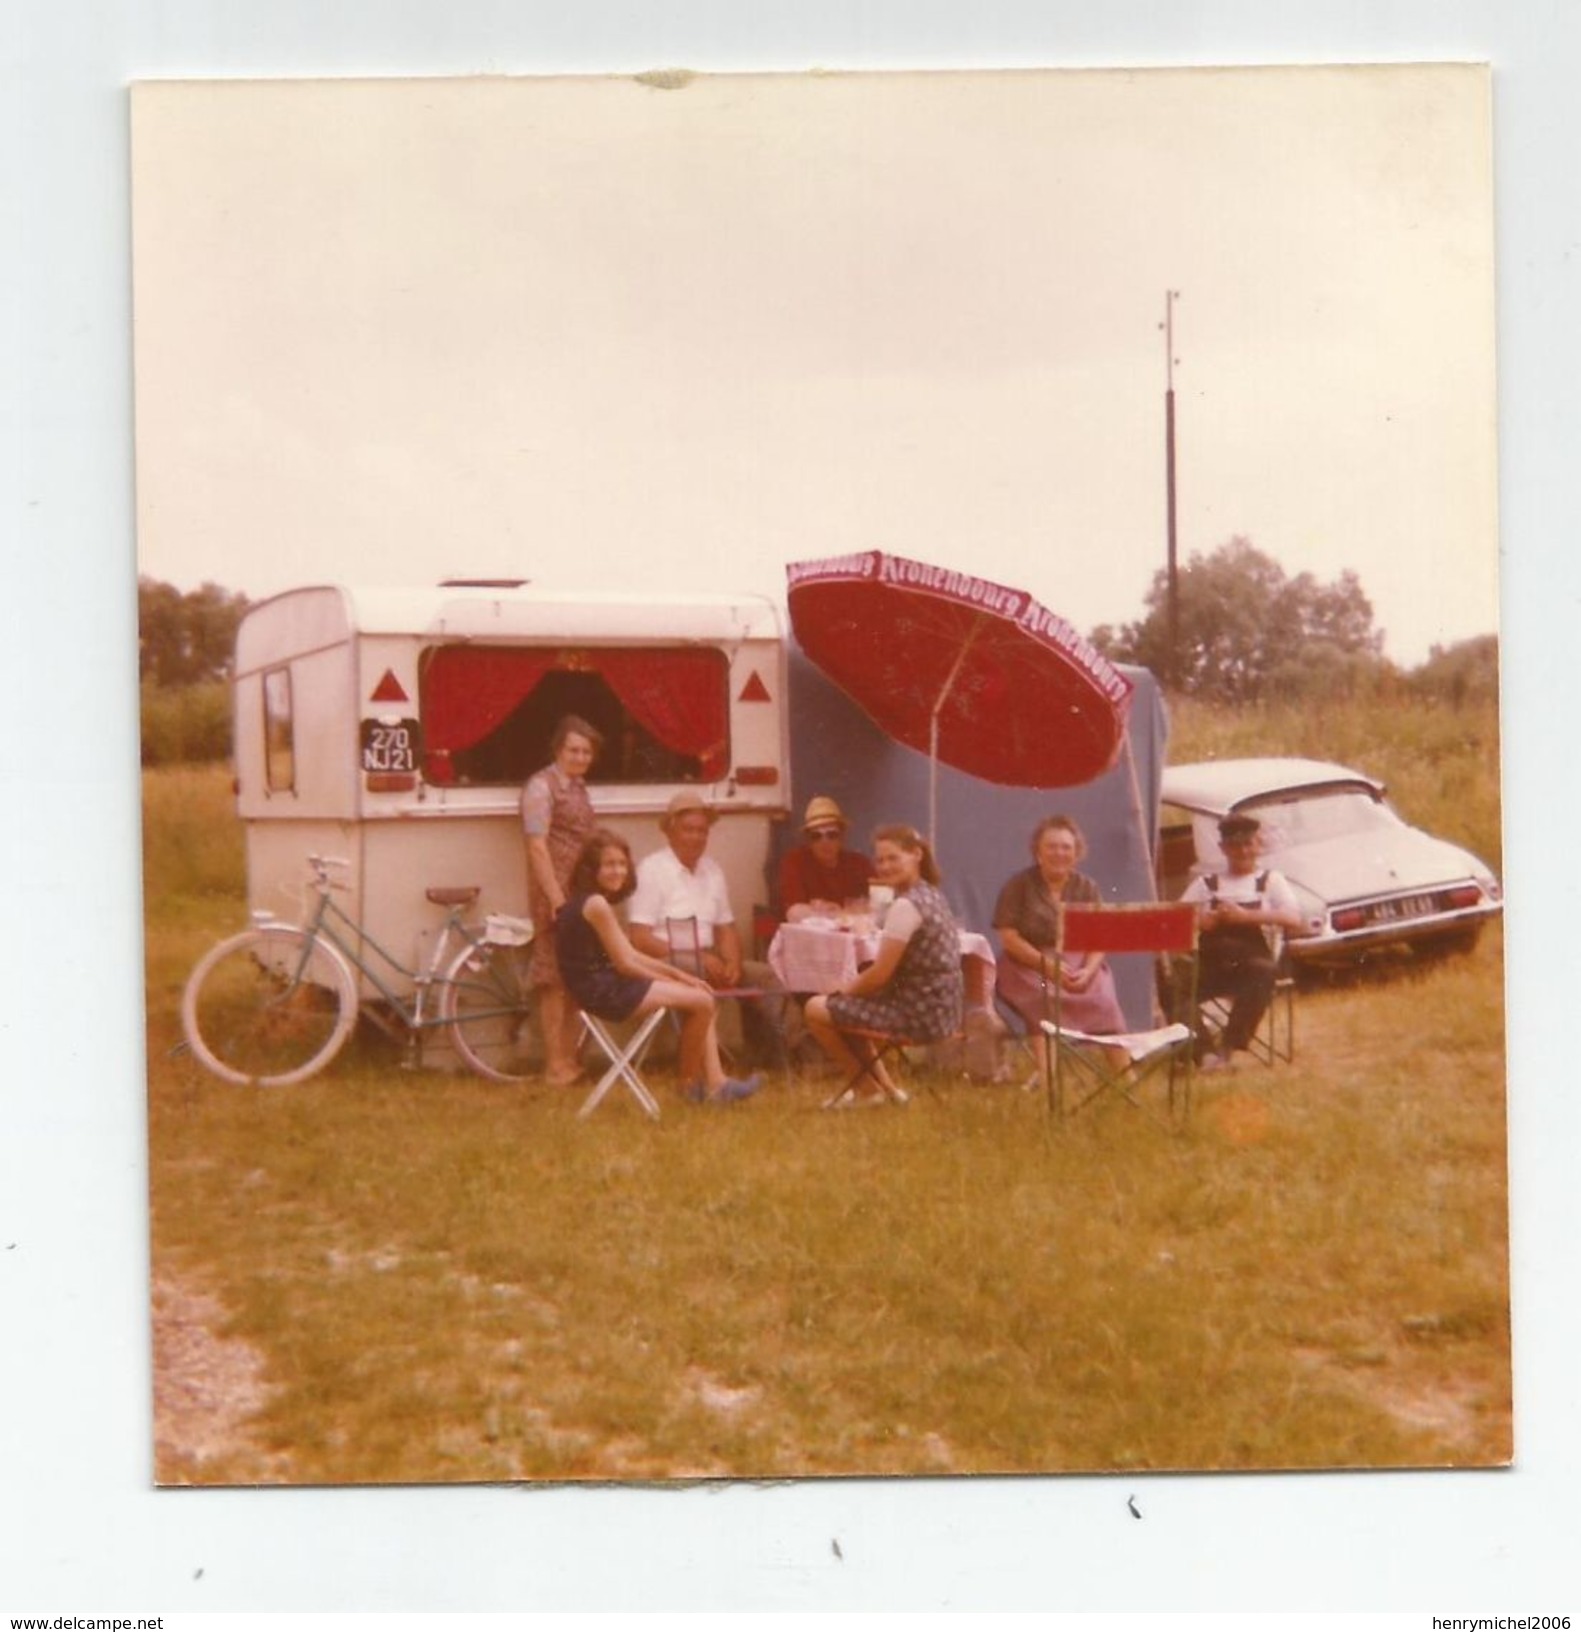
(389, 745)
(1404, 906)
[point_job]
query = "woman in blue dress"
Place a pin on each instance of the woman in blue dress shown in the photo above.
(606, 975)
(913, 988)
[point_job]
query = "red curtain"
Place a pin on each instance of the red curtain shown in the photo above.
(679, 695)
(469, 691)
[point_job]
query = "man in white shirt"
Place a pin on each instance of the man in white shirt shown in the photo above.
(1238, 908)
(680, 882)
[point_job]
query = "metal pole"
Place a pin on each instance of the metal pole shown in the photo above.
(1172, 667)
(933, 733)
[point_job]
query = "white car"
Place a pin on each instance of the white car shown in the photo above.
(1365, 879)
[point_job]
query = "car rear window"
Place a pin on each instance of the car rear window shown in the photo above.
(1309, 818)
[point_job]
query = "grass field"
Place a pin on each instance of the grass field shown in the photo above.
(381, 1276)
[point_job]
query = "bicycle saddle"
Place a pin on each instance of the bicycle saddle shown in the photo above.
(454, 895)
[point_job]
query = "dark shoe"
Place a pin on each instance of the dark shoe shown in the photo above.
(735, 1088)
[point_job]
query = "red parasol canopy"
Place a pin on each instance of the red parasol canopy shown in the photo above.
(964, 670)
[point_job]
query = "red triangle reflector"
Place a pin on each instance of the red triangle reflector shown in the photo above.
(389, 690)
(754, 691)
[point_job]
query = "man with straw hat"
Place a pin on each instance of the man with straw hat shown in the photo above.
(681, 884)
(820, 876)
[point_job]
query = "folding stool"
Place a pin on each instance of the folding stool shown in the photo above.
(624, 1059)
(887, 1045)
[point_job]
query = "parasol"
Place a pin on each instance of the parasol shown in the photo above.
(979, 675)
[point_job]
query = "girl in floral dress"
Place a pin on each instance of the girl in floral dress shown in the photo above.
(913, 988)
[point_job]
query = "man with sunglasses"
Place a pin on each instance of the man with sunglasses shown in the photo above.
(820, 876)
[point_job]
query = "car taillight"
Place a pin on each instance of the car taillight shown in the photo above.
(1348, 918)
(1463, 895)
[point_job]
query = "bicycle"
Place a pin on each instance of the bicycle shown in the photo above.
(276, 1003)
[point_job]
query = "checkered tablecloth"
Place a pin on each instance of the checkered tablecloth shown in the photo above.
(816, 957)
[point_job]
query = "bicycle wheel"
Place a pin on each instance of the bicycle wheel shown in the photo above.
(268, 1007)
(488, 1005)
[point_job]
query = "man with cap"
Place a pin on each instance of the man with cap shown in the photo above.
(1237, 910)
(682, 883)
(820, 875)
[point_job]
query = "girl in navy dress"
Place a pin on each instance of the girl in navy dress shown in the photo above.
(606, 975)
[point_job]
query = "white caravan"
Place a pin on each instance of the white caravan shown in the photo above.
(396, 727)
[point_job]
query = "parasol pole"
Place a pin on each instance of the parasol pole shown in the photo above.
(933, 734)
(1172, 665)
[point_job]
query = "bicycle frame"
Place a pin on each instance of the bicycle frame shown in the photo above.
(321, 925)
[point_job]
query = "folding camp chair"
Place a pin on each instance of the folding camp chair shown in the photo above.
(1083, 1066)
(1274, 1041)
(624, 1060)
(684, 939)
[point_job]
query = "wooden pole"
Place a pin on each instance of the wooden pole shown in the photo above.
(1172, 665)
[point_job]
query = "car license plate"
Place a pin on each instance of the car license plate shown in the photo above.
(1403, 906)
(389, 745)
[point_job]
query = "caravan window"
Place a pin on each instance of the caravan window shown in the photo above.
(490, 711)
(279, 737)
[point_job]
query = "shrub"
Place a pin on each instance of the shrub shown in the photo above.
(186, 725)
(1463, 675)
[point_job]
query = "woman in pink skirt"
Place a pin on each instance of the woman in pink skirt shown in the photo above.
(1027, 918)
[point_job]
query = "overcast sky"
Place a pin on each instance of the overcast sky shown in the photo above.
(608, 335)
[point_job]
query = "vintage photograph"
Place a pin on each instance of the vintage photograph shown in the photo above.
(821, 780)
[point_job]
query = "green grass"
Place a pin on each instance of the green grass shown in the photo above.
(451, 1280)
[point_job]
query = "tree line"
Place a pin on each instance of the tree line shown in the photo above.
(185, 645)
(184, 639)
(1248, 633)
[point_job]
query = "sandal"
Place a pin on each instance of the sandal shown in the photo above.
(735, 1088)
(728, 1092)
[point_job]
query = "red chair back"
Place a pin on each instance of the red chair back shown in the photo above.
(1152, 927)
